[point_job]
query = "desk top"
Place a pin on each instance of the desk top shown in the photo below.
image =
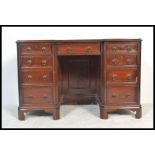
(82, 40)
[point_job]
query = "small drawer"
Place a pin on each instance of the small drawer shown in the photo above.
(122, 75)
(36, 76)
(119, 59)
(37, 95)
(79, 49)
(122, 47)
(121, 94)
(35, 61)
(35, 49)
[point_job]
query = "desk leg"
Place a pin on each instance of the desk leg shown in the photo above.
(138, 113)
(21, 115)
(56, 114)
(103, 113)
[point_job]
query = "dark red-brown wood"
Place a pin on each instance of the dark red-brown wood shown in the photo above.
(54, 72)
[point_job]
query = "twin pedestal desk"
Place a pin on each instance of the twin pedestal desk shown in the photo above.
(104, 72)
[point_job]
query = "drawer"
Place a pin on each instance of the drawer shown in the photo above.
(122, 75)
(35, 49)
(79, 49)
(121, 94)
(120, 59)
(122, 47)
(33, 61)
(36, 95)
(36, 76)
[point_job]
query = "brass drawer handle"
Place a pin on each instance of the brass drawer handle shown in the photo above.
(69, 50)
(30, 97)
(129, 61)
(29, 49)
(114, 77)
(129, 77)
(114, 95)
(88, 49)
(29, 62)
(115, 61)
(43, 49)
(29, 77)
(43, 62)
(113, 49)
(127, 48)
(127, 95)
(44, 77)
(45, 96)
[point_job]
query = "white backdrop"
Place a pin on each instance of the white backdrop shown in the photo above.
(75, 12)
(77, 142)
(9, 52)
(104, 12)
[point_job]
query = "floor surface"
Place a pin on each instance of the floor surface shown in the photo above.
(78, 116)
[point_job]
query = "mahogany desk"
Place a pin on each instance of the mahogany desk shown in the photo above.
(104, 72)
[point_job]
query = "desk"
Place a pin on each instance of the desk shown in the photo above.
(104, 72)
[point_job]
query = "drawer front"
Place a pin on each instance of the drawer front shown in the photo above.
(29, 61)
(36, 95)
(121, 95)
(79, 49)
(120, 59)
(33, 77)
(35, 49)
(122, 48)
(122, 75)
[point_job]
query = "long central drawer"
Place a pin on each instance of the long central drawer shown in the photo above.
(78, 48)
